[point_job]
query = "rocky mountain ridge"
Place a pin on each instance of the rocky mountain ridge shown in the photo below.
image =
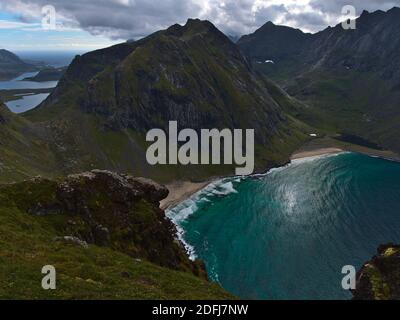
(108, 99)
(349, 78)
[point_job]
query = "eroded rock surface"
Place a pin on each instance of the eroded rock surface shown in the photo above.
(109, 210)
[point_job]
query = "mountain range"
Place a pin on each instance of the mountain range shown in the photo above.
(107, 100)
(350, 79)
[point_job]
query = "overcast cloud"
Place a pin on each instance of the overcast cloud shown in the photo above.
(132, 19)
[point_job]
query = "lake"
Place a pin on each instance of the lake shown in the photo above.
(26, 101)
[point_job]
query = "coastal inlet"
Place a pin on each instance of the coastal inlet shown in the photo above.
(287, 234)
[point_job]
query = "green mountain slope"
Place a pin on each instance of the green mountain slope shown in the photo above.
(11, 65)
(104, 234)
(349, 78)
(108, 99)
(24, 148)
(281, 45)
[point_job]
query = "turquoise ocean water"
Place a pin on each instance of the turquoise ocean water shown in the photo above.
(287, 234)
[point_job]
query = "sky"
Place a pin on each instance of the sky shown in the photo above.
(83, 25)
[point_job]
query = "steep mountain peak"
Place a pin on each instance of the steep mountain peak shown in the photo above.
(192, 74)
(175, 74)
(273, 42)
(395, 10)
(351, 60)
(268, 24)
(372, 17)
(11, 65)
(194, 27)
(7, 56)
(271, 27)
(365, 13)
(198, 23)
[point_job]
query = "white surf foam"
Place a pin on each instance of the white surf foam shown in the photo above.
(180, 213)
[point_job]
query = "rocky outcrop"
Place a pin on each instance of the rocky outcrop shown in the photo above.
(379, 279)
(107, 209)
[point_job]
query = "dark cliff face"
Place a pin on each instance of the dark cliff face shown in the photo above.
(350, 78)
(372, 46)
(277, 43)
(379, 279)
(108, 210)
(192, 74)
(108, 99)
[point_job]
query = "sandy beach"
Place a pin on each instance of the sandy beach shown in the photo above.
(180, 191)
(315, 152)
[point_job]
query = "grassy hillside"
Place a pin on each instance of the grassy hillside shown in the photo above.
(24, 149)
(45, 222)
(352, 102)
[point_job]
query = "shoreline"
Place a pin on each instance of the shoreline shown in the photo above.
(316, 152)
(179, 191)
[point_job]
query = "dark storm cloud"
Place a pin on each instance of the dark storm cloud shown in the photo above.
(331, 11)
(125, 19)
(309, 21)
(335, 7)
(265, 14)
(113, 18)
(239, 17)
